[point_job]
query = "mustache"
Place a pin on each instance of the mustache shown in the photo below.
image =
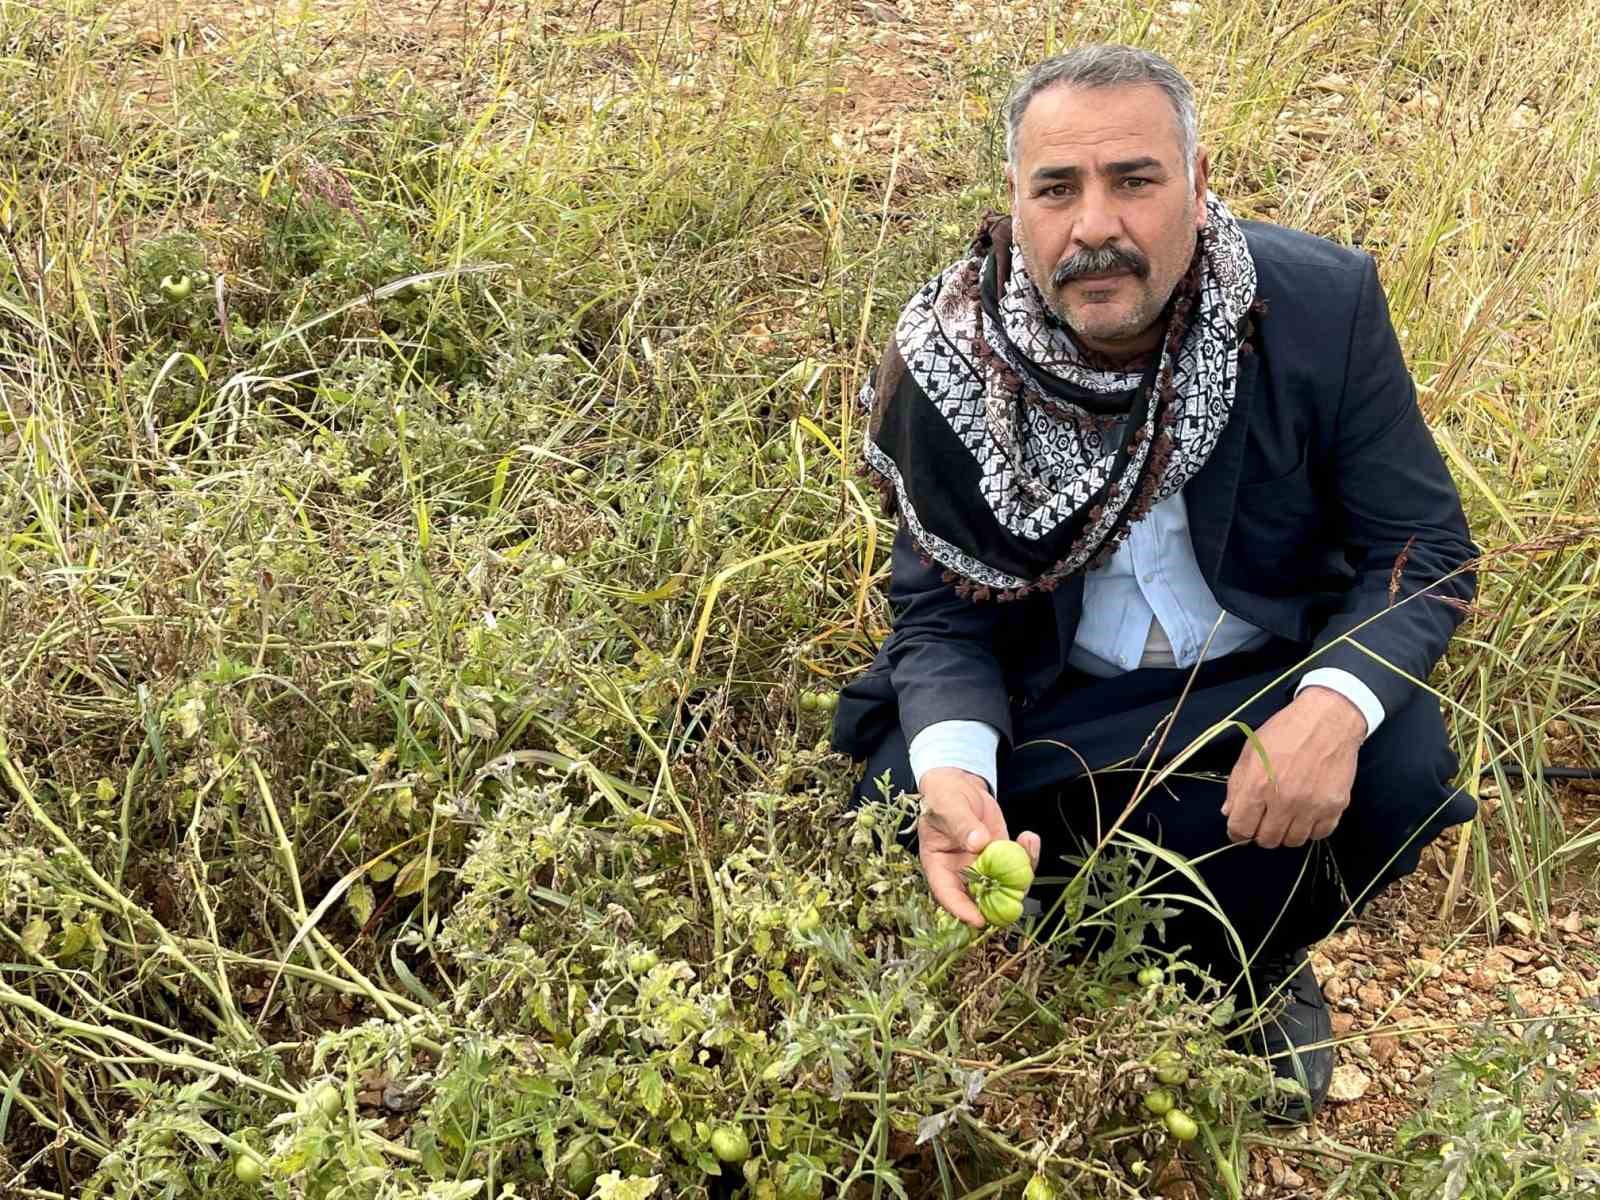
(1100, 261)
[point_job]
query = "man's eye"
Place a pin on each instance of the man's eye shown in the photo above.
(1058, 189)
(1136, 182)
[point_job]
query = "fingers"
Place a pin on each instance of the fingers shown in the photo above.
(1244, 809)
(1030, 843)
(1299, 832)
(987, 809)
(1274, 827)
(949, 889)
(1324, 827)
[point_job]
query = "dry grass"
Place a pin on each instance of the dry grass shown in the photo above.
(296, 568)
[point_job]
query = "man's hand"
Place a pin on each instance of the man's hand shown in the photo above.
(959, 818)
(1312, 745)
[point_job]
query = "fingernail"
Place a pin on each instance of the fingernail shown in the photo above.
(974, 839)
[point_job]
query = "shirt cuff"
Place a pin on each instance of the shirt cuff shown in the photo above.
(1336, 679)
(970, 745)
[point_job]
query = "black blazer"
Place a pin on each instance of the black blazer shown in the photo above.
(1324, 505)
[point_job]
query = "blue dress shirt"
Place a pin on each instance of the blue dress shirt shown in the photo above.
(1149, 606)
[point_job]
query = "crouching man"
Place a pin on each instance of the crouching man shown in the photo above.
(1142, 451)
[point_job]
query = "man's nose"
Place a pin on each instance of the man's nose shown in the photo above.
(1097, 223)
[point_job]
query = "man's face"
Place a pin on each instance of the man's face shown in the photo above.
(1103, 211)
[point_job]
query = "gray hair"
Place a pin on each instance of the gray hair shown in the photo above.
(1104, 67)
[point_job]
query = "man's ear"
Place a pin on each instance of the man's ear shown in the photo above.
(1011, 186)
(1202, 177)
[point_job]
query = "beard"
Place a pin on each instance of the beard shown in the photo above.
(1107, 323)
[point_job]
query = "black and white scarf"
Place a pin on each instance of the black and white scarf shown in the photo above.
(1012, 459)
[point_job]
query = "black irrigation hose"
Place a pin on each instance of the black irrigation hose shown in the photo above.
(1546, 772)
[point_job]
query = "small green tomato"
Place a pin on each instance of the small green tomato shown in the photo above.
(1181, 1125)
(729, 1144)
(247, 1169)
(1039, 1188)
(808, 920)
(998, 880)
(1000, 907)
(809, 701)
(329, 1101)
(1159, 1102)
(1006, 863)
(176, 287)
(828, 701)
(1170, 1069)
(1150, 976)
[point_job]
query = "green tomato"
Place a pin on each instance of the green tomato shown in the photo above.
(176, 288)
(729, 1144)
(1181, 1125)
(1039, 1188)
(809, 701)
(1150, 976)
(642, 962)
(1005, 863)
(1159, 1102)
(329, 1100)
(808, 920)
(999, 879)
(247, 1169)
(1170, 1069)
(1000, 906)
(828, 701)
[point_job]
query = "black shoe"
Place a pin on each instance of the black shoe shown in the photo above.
(1294, 1034)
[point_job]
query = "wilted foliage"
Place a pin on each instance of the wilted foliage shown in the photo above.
(429, 543)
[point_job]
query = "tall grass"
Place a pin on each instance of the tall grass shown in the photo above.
(504, 443)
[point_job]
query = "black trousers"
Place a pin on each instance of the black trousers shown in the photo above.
(1080, 754)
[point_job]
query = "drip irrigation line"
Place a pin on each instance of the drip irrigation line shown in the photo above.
(1545, 772)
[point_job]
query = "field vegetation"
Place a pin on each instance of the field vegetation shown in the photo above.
(430, 541)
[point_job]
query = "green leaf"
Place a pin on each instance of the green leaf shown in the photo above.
(652, 1090)
(35, 934)
(361, 902)
(73, 939)
(416, 875)
(612, 1186)
(464, 1190)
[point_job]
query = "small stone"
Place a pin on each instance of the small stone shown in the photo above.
(1383, 1048)
(1349, 1083)
(1548, 976)
(1283, 1175)
(1517, 921)
(883, 14)
(1343, 1023)
(1572, 922)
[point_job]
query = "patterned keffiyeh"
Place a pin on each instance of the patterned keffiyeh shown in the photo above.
(1014, 461)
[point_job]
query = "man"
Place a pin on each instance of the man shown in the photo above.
(1159, 472)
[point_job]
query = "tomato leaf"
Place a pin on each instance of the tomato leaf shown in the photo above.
(416, 875)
